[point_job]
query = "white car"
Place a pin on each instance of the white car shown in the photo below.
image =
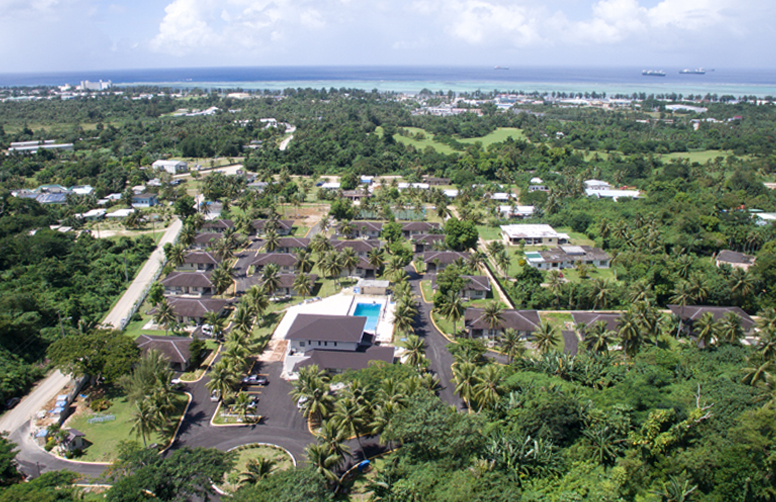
(207, 329)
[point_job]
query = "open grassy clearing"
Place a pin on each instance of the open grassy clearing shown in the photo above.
(106, 436)
(489, 233)
(498, 136)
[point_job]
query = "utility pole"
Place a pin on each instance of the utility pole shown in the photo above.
(126, 276)
(61, 329)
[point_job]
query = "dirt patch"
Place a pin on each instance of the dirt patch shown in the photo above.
(274, 352)
(306, 215)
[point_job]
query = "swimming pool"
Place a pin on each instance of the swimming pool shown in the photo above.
(372, 313)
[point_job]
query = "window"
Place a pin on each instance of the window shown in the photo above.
(335, 344)
(325, 344)
(301, 344)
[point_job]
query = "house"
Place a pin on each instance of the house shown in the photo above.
(476, 287)
(436, 181)
(735, 259)
(281, 227)
(291, 244)
(365, 229)
(361, 247)
(74, 440)
(419, 186)
(372, 287)
(174, 348)
(286, 262)
(533, 235)
(688, 314)
(597, 185)
(335, 343)
(612, 194)
(333, 185)
(82, 189)
(436, 261)
(425, 242)
(144, 199)
(120, 213)
(216, 226)
(520, 212)
(205, 240)
(199, 261)
(567, 257)
(524, 322)
(188, 283)
(363, 269)
(356, 195)
(171, 166)
(412, 228)
(502, 196)
(92, 215)
(193, 310)
(585, 319)
(286, 287)
(537, 185)
(450, 193)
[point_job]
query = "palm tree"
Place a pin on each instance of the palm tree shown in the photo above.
(705, 329)
(144, 420)
(476, 259)
(758, 370)
(698, 288)
(393, 265)
(223, 249)
(304, 261)
(767, 344)
(271, 240)
(452, 307)
(302, 285)
(376, 258)
(164, 316)
(350, 414)
(494, 248)
(324, 460)
(512, 344)
(415, 349)
(503, 261)
(270, 278)
(681, 295)
(546, 337)
(257, 299)
(223, 379)
(492, 315)
(676, 490)
(242, 405)
(332, 435)
(243, 320)
(346, 228)
(222, 278)
(767, 320)
(555, 284)
(489, 386)
(320, 244)
(256, 469)
(600, 292)
(187, 236)
(176, 254)
(730, 330)
(741, 282)
(349, 259)
(404, 317)
(215, 320)
(312, 388)
(629, 333)
(598, 337)
(465, 380)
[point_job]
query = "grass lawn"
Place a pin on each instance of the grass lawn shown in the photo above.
(577, 238)
(489, 233)
(243, 455)
(135, 328)
(594, 273)
(700, 156)
(105, 436)
(419, 144)
(357, 483)
(498, 136)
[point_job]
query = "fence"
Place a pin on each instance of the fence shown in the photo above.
(99, 420)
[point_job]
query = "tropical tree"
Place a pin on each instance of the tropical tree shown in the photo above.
(629, 333)
(452, 307)
(415, 349)
(311, 389)
(489, 387)
(465, 378)
(730, 330)
(512, 344)
(404, 317)
(348, 259)
(176, 254)
(546, 338)
(222, 278)
(257, 469)
(323, 460)
(270, 278)
(187, 236)
(600, 292)
(242, 320)
(144, 420)
(242, 405)
(503, 261)
(304, 261)
(271, 240)
(705, 329)
(223, 379)
(302, 285)
(350, 414)
(257, 300)
(164, 316)
(492, 314)
(320, 244)
(598, 337)
(217, 322)
(333, 435)
(375, 257)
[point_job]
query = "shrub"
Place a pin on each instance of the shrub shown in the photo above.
(99, 404)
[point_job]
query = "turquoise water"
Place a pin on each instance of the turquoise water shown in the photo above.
(372, 313)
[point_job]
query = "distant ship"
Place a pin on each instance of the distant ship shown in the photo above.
(653, 73)
(501, 68)
(697, 71)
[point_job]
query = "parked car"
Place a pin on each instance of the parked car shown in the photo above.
(207, 329)
(12, 402)
(301, 402)
(255, 380)
(214, 397)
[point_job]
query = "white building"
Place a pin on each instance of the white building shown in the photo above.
(567, 257)
(516, 211)
(597, 185)
(533, 235)
(612, 193)
(171, 166)
(94, 86)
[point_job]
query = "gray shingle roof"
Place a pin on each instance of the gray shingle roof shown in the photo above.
(519, 320)
(175, 348)
(188, 280)
(331, 328)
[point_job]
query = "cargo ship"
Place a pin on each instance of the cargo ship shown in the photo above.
(501, 68)
(653, 73)
(697, 71)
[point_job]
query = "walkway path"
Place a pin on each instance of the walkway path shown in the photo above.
(143, 278)
(285, 142)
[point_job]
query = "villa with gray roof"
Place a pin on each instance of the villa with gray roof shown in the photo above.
(188, 283)
(286, 262)
(688, 314)
(193, 310)
(524, 322)
(205, 240)
(199, 261)
(175, 348)
(436, 261)
(476, 287)
(217, 226)
(282, 227)
(567, 257)
(735, 259)
(425, 242)
(533, 235)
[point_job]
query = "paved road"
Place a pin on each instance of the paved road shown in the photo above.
(441, 361)
(571, 342)
(33, 402)
(285, 142)
(143, 278)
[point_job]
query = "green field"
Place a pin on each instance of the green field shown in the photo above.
(499, 135)
(701, 156)
(103, 438)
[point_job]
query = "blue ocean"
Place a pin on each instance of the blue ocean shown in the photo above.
(412, 79)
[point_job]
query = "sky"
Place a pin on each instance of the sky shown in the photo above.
(72, 35)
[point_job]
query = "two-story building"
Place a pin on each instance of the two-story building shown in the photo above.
(199, 261)
(188, 283)
(567, 257)
(413, 228)
(533, 235)
(285, 262)
(437, 261)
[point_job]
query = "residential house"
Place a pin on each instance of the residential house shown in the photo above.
(170, 166)
(688, 314)
(436, 261)
(612, 194)
(597, 185)
(425, 242)
(335, 343)
(74, 440)
(188, 283)
(192, 310)
(199, 261)
(291, 244)
(735, 259)
(282, 227)
(91, 215)
(365, 229)
(356, 195)
(567, 257)
(476, 287)
(175, 348)
(533, 235)
(412, 228)
(433, 181)
(144, 200)
(205, 240)
(502, 196)
(286, 262)
(584, 319)
(419, 186)
(519, 212)
(524, 322)
(361, 247)
(216, 226)
(363, 269)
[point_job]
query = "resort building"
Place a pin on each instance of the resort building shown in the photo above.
(533, 235)
(170, 166)
(524, 322)
(188, 283)
(437, 261)
(199, 261)
(567, 257)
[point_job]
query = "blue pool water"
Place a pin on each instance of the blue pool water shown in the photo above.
(371, 311)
